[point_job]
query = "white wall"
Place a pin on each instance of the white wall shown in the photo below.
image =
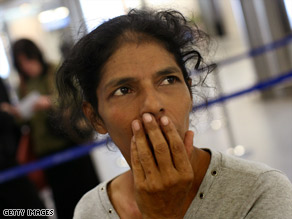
(30, 27)
(187, 7)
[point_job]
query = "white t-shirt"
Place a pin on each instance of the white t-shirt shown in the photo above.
(232, 188)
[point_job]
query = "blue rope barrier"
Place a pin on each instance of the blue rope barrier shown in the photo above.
(257, 51)
(49, 161)
(81, 150)
(259, 86)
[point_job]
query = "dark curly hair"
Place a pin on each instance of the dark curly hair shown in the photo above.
(80, 74)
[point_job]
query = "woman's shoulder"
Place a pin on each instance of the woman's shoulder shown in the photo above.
(234, 186)
(240, 165)
(88, 204)
(94, 204)
(244, 175)
(248, 171)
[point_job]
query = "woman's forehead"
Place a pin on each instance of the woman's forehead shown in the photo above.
(133, 58)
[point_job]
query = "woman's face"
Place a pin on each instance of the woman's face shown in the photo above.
(141, 78)
(31, 67)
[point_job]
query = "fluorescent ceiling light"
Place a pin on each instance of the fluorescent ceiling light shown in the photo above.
(53, 15)
(288, 6)
(4, 67)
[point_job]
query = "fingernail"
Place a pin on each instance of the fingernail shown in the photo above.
(164, 120)
(147, 117)
(135, 125)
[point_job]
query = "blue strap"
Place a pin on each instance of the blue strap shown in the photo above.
(84, 149)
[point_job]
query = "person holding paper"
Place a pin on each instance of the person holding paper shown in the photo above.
(70, 180)
(19, 193)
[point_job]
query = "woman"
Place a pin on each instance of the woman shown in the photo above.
(20, 192)
(135, 86)
(69, 180)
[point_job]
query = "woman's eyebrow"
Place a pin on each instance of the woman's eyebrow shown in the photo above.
(168, 70)
(119, 81)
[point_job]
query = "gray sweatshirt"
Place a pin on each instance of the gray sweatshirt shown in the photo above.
(232, 188)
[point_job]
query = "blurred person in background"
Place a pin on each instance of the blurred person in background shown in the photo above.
(68, 181)
(19, 193)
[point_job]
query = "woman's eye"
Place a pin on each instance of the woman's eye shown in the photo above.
(122, 91)
(169, 80)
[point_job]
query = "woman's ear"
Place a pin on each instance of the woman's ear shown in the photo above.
(96, 122)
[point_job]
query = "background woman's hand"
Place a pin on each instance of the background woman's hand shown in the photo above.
(43, 103)
(10, 109)
(163, 175)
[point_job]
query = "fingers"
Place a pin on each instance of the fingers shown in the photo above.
(137, 168)
(158, 142)
(143, 150)
(177, 147)
(188, 142)
(170, 151)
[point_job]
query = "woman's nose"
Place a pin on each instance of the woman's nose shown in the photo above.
(151, 103)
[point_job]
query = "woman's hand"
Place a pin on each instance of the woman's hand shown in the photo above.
(10, 109)
(163, 178)
(43, 103)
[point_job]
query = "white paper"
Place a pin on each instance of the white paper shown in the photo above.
(27, 103)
